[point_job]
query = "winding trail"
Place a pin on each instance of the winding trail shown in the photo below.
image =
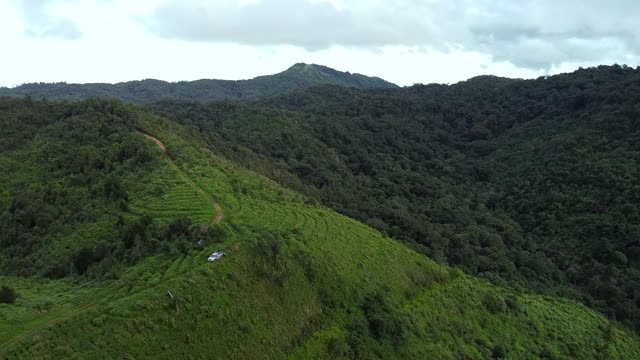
(219, 214)
(217, 218)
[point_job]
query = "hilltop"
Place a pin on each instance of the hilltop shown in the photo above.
(298, 76)
(530, 183)
(107, 245)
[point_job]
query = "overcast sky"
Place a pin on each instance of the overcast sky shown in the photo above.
(403, 41)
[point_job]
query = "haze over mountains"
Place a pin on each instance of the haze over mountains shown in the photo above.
(148, 91)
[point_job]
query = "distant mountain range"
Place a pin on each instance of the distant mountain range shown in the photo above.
(147, 91)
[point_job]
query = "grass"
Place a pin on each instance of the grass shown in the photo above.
(303, 305)
(171, 195)
(41, 303)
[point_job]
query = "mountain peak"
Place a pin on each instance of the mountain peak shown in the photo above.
(321, 74)
(300, 65)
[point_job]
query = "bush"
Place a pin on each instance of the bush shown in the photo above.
(338, 348)
(493, 302)
(8, 295)
(83, 260)
(384, 321)
(274, 265)
(512, 303)
(548, 353)
(270, 246)
(499, 352)
(360, 343)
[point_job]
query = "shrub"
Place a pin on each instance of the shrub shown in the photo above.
(359, 341)
(548, 353)
(56, 272)
(512, 303)
(338, 348)
(493, 302)
(83, 260)
(270, 246)
(245, 327)
(8, 295)
(384, 321)
(499, 352)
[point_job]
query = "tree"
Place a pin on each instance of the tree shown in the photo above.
(83, 260)
(493, 302)
(8, 295)
(271, 245)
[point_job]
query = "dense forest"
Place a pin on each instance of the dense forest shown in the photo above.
(534, 183)
(109, 214)
(148, 91)
(67, 173)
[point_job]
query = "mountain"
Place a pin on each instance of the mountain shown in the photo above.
(148, 91)
(109, 213)
(532, 184)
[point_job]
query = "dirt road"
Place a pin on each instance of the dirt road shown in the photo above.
(219, 213)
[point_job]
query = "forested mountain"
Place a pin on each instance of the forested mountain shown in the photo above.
(530, 183)
(108, 215)
(109, 211)
(148, 91)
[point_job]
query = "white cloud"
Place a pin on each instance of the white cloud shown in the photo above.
(42, 22)
(405, 41)
(311, 25)
(536, 34)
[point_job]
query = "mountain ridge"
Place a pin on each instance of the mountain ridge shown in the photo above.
(144, 91)
(465, 160)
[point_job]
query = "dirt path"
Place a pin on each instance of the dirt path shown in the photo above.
(219, 214)
(217, 218)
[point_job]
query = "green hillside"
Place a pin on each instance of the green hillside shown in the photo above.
(299, 76)
(110, 225)
(530, 183)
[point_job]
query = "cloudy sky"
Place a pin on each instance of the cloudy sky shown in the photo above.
(404, 41)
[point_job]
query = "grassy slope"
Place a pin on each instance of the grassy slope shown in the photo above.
(240, 307)
(170, 194)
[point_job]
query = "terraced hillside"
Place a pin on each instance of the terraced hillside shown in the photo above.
(299, 281)
(530, 183)
(180, 195)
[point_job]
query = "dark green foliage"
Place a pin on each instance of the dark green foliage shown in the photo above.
(337, 348)
(385, 323)
(270, 245)
(138, 232)
(529, 183)
(148, 91)
(67, 170)
(381, 325)
(499, 352)
(494, 302)
(113, 189)
(82, 260)
(548, 354)
(512, 303)
(273, 265)
(296, 276)
(8, 295)
(62, 169)
(143, 237)
(360, 342)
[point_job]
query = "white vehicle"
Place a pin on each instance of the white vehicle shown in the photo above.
(217, 255)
